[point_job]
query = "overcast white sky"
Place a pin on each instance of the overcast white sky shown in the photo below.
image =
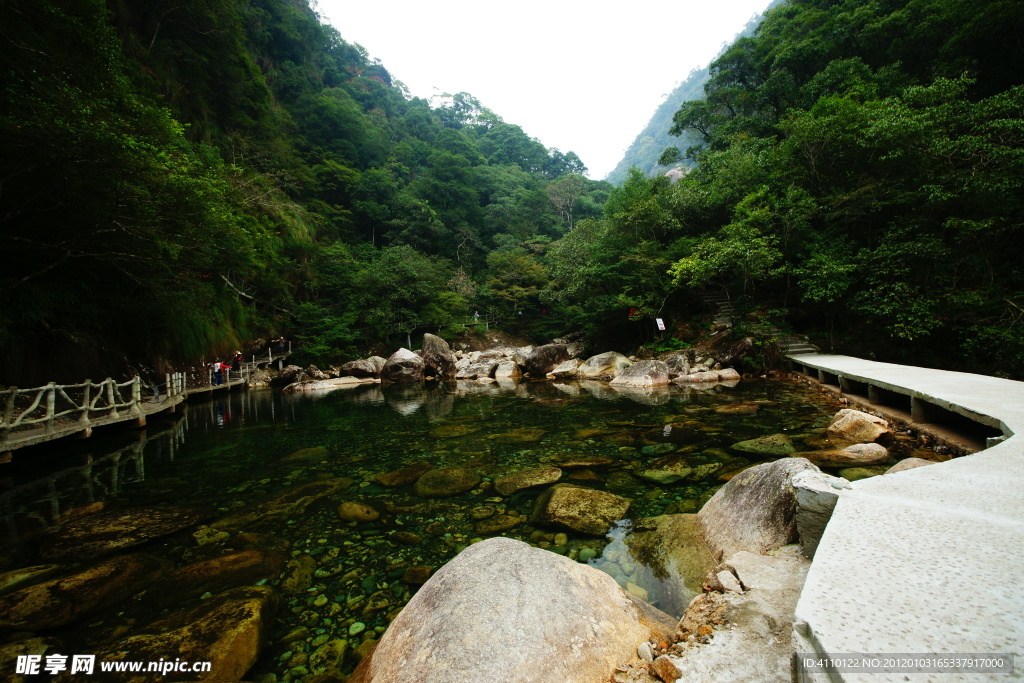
(578, 75)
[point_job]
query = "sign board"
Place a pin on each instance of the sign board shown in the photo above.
(661, 324)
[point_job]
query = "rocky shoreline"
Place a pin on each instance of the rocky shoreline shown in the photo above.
(559, 360)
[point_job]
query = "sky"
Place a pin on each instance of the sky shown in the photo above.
(584, 76)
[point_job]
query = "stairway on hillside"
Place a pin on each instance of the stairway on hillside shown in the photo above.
(722, 307)
(794, 343)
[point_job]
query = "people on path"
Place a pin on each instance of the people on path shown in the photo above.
(236, 365)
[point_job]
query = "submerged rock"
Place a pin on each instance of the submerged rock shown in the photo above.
(222, 573)
(227, 630)
(106, 532)
(26, 576)
(404, 476)
(356, 512)
(588, 511)
(537, 617)
(774, 445)
(288, 503)
(755, 510)
(497, 524)
(667, 470)
(63, 601)
(909, 464)
(854, 426)
(672, 548)
(860, 454)
(447, 481)
(518, 481)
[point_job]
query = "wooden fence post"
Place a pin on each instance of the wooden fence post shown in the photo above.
(86, 397)
(51, 402)
(110, 397)
(8, 413)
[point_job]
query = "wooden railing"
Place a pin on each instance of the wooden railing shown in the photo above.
(78, 405)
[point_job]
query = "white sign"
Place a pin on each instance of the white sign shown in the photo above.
(661, 324)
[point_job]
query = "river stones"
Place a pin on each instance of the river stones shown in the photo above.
(507, 369)
(226, 630)
(667, 470)
(357, 512)
(404, 476)
(223, 573)
(538, 476)
(537, 605)
(644, 374)
(26, 576)
(854, 426)
(603, 366)
(480, 369)
(445, 482)
(106, 532)
(542, 359)
(587, 511)
(858, 473)
(742, 408)
(595, 462)
(291, 502)
(62, 601)
(402, 366)
(776, 445)
(417, 575)
(755, 510)
(438, 359)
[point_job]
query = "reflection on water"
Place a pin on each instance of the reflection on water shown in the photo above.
(245, 448)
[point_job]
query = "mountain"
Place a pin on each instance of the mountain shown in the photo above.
(655, 138)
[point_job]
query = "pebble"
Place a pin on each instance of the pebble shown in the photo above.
(587, 554)
(320, 601)
(356, 628)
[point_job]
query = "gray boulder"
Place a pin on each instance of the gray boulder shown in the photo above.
(603, 366)
(587, 511)
(438, 359)
(855, 426)
(504, 611)
(543, 359)
(645, 373)
(402, 366)
(360, 368)
(755, 511)
(566, 370)
(507, 369)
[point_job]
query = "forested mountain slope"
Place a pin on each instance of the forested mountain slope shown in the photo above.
(862, 174)
(162, 156)
(860, 177)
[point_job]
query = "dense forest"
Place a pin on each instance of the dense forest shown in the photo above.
(180, 177)
(183, 176)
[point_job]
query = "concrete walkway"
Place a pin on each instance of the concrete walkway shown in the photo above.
(929, 560)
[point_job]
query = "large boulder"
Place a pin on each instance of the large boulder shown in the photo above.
(478, 369)
(587, 511)
(438, 359)
(603, 366)
(816, 496)
(222, 572)
(543, 359)
(360, 368)
(646, 373)
(507, 369)
(517, 481)
(678, 365)
(854, 426)
(504, 611)
(566, 370)
(106, 532)
(755, 511)
(289, 374)
(63, 601)
(403, 366)
(227, 630)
